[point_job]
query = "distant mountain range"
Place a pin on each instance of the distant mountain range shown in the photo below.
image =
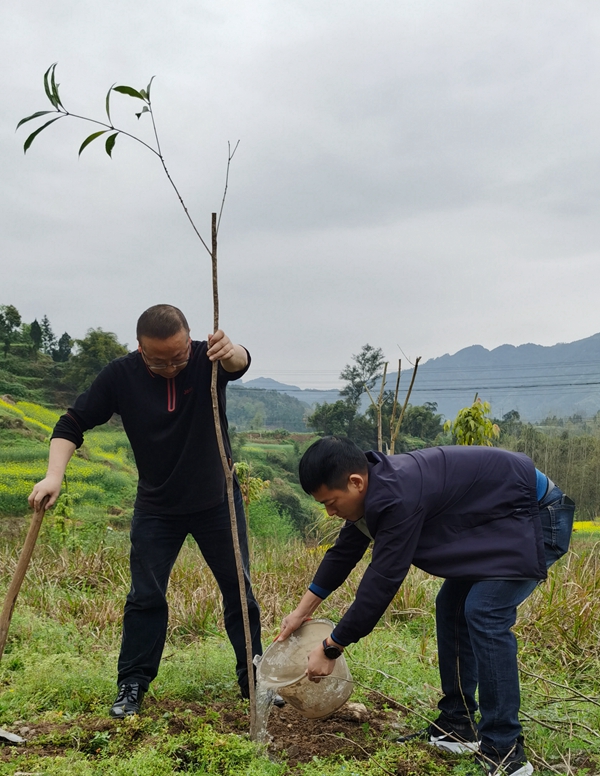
(535, 380)
(309, 396)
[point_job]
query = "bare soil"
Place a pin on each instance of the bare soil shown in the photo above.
(293, 738)
(301, 739)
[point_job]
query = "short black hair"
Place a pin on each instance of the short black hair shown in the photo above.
(330, 461)
(161, 321)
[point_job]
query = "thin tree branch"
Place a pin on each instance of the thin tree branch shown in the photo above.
(183, 205)
(373, 402)
(383, 382)
(230, 156)
(380, 410)
(394, 408)
(110, 127)
(155, 152)
(539, 760)
(405, 405)
(404, 354)
(172, 182)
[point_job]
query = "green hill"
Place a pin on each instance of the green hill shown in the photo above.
(101, 475)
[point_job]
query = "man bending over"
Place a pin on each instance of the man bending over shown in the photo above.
(484, 519)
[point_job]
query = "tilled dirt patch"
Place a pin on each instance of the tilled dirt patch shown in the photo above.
(292, 738)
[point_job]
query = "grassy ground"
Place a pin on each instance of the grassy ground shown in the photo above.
(57, 674)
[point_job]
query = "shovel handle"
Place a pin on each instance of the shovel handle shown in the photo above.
(19, 575)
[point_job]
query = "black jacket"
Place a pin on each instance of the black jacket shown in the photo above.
(169, 423)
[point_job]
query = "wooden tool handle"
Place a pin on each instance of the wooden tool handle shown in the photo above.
(20, 571)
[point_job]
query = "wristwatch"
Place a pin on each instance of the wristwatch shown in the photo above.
(331, 651)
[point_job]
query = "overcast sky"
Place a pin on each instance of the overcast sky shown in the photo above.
(420, 174)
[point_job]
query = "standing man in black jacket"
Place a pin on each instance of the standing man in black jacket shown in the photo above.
(162, 393)
(484, 519)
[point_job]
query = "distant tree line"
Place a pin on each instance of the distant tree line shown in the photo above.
(31, 338)
(566, 449)
(253, 409)
(38, 365)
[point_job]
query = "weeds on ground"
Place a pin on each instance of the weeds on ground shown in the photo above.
(58, 670)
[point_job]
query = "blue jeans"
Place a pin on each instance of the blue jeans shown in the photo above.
(155, 543)
(477, 647)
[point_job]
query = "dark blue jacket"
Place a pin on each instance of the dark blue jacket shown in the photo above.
(455, 512)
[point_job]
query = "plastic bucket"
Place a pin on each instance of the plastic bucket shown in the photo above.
(283, 668)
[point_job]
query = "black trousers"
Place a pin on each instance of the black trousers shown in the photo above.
(155, 543)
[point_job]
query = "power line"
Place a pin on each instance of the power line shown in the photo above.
(505, 387)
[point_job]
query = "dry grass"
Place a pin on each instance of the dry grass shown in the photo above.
(558, 626)
(561, 618)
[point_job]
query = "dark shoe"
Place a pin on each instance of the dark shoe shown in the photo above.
(276, 701)
(128, 701)
(512, 763)
(450, 739)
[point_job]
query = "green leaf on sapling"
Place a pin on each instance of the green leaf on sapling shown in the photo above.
(129, 91)
(33, 135)
(54, 87)
(47, 88)
(34, 116)
(89, 139)
(108, 104)
(148, 88)
(110, 143)
(145, 109)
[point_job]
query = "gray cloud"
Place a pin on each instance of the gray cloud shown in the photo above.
(413, 173)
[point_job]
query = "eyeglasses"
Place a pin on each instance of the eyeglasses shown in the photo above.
(162, 367)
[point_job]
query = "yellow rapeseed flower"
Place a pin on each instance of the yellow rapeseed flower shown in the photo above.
(586, 525)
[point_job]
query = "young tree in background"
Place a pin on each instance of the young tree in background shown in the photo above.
(472, 426)
(341, 418)
(10, 320)
(362, 376)
(422, 421)
(35, 334)
(48, 338)
(95, 351)
(63, 350)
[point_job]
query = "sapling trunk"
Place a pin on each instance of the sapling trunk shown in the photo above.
(395, 425)
(228, 470)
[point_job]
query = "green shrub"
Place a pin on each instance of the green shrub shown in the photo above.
(263, 471)
(16, 390)
(276, 457)
(285, 459)
(268, 521)
(289, 501)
